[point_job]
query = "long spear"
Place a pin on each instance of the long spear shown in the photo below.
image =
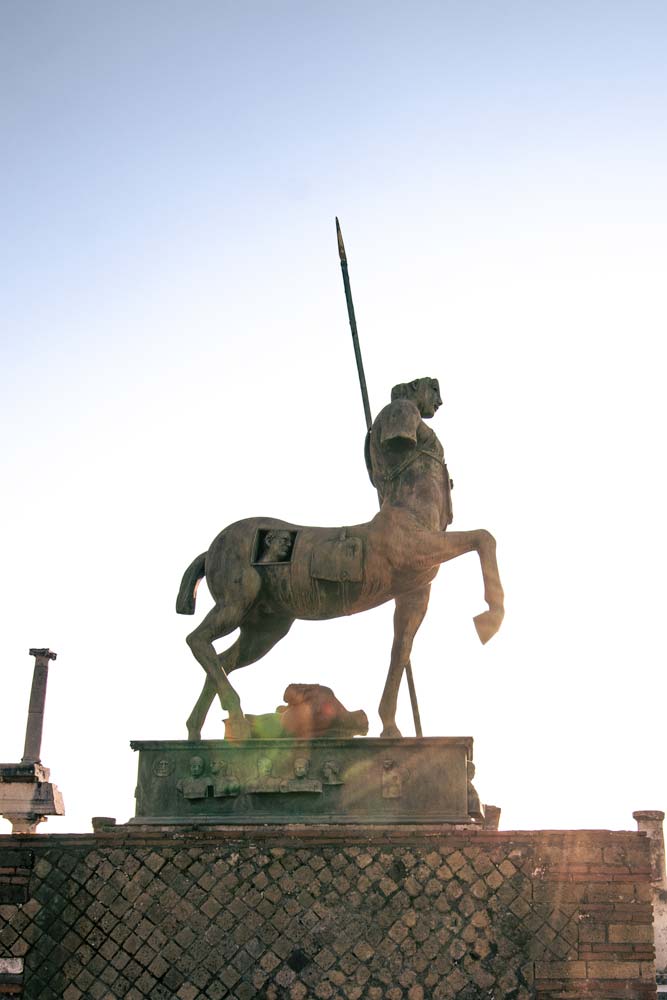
(369, 421)
(353, 326)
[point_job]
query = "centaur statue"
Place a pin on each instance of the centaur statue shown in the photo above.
(264, 573)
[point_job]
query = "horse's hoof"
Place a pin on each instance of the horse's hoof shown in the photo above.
(391, 732)
(194, 735)
(237, 728)
(487, 624)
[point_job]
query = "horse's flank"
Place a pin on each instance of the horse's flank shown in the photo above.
(291, 587)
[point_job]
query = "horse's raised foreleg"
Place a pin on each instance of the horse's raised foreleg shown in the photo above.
(409, 614)
(457, 543)
(259, 633)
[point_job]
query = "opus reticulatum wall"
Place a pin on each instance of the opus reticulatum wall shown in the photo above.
(350, 912)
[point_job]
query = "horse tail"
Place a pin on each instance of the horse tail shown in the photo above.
(187, 592)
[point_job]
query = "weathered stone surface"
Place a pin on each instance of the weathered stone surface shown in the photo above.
(321, 912)
(16, 858)
(11, 966)
(650, 821)
(19, 799)
(26, 795)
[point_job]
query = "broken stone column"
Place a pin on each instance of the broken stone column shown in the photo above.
(35, 723)
(27, 796)
(649, 821)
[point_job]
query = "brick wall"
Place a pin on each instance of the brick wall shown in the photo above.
(15, 870)
(326, 912)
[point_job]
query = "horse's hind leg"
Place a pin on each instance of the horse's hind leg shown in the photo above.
(200, 711)
(220, 621)
(409, 614)
(259, 633)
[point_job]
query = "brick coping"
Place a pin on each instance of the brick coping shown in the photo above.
(309, 832)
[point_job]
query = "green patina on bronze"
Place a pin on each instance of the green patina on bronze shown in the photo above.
(301, 781)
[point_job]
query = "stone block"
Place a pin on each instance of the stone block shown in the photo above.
(631, 933)
(560, 970)
(16, 858)
(11, 966)
(613, 969)
(10, 893)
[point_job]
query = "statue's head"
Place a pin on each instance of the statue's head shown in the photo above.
(277, 545)
(301, 767)
(424, 392)
(196, 767)
(264, 767)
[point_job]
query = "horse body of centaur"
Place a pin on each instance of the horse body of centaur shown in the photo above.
(264, 573)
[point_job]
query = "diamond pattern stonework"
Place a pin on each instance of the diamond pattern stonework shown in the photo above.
(227, 920)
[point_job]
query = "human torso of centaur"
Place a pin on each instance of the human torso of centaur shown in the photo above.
(344, 570)
(406, 464)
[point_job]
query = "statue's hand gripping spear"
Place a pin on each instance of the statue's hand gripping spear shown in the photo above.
(369, 421)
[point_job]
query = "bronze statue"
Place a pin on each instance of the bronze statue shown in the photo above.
(313, 710)
(264, 573)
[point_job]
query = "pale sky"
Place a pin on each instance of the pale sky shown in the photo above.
(176, 355)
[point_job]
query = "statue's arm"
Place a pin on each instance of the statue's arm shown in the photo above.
(399, 425)
(392, 436)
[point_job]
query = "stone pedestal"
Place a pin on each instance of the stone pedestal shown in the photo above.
(27, 796)
(324, 780)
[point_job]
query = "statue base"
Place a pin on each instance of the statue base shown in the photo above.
(358, 780)
(27, 796)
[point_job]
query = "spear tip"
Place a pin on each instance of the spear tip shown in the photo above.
(341, 245)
